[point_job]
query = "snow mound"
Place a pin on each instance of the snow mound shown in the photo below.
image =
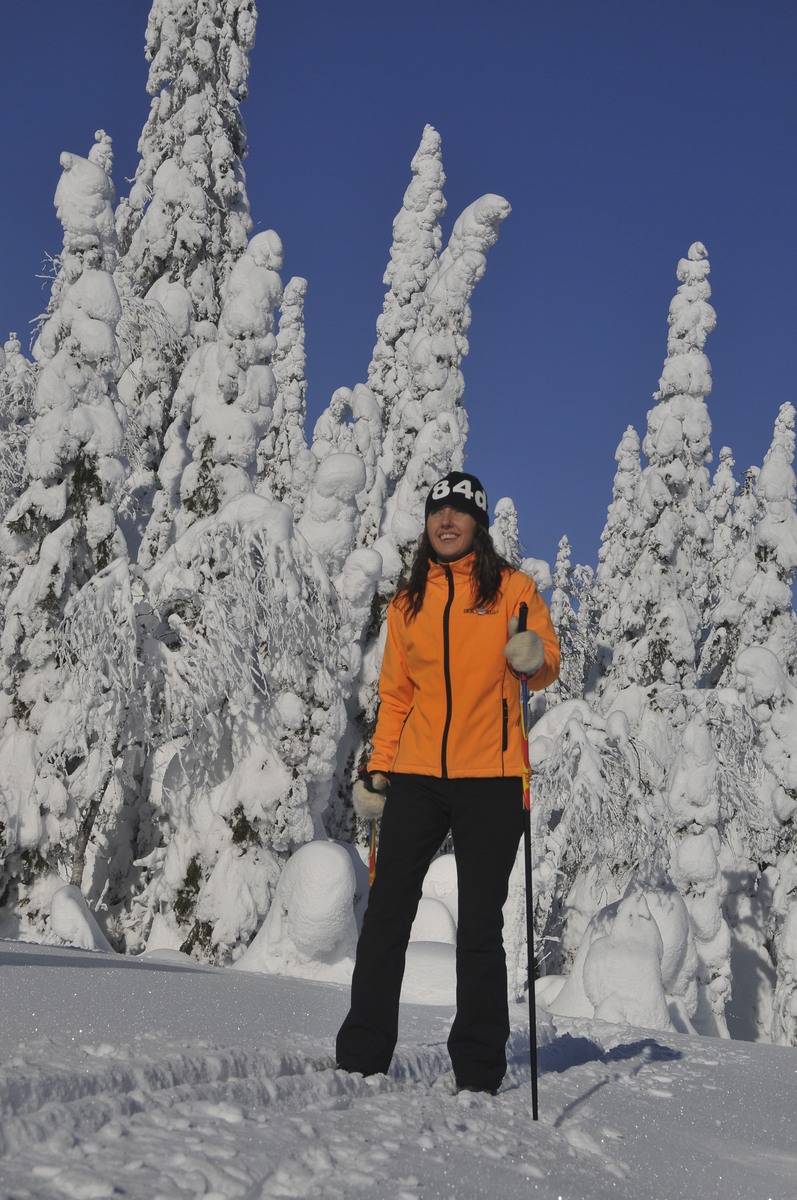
(71, 920)
(440, 883)
(433, 923)
(622, 971)
(636, 963)
(430, 974)
(310, 930)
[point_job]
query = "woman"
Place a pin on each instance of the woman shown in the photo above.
(447, 754)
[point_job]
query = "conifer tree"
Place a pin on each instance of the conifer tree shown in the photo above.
(184, 224)
(428, 424)
(187, 216)
(652, 581)
(223, 404)
(415, 370)
(16, 404)
(565, 621)
(658, 624)
(285, 464)
(504, 531)
(59, 534)
(417, 240)
(753, 604)
(619, 552)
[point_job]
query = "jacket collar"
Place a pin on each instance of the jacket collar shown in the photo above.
(461, 568)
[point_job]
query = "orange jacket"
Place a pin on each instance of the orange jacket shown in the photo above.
(449, 703)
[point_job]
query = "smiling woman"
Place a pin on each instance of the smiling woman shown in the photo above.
(447, 755)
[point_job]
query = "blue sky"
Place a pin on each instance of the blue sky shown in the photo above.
(620, 132)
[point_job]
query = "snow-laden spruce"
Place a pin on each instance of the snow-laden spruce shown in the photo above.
(17, 380)
(428, 425)
(187, 216)
(631, 788)
(693, 586)
(60, 534)
(285, 465)
(504, 531)
(184, 224)
(223, 404)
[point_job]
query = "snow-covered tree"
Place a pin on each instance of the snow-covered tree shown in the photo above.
(251, 725)
(17, 380)
(285, 464)
(59, 534)
(620, 549)
(504, 531)
(657, 627)
(184, 224)
(754, 573)
(564, 620)
(428, 425)
(223, 404)
(417, 240)
(651, 588)
(187, 216)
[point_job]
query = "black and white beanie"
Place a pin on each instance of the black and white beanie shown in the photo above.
(462, 492)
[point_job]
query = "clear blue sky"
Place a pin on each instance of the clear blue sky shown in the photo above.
(619, 131)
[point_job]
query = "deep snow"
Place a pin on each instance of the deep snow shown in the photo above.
(161, 1078)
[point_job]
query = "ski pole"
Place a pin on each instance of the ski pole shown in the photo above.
(524, 718)
(372, 856)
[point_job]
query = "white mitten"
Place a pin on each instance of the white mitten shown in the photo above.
(525, 651)
(369, 804)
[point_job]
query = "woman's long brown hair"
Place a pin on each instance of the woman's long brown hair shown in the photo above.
(488, 567)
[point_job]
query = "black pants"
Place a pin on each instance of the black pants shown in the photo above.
(485, 817)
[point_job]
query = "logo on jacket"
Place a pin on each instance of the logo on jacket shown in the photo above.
(482, 612)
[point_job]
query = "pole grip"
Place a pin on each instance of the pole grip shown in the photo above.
(522, 617)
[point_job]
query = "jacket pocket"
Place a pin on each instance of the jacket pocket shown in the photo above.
(401, 734)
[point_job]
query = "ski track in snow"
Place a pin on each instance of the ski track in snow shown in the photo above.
(623, 1113)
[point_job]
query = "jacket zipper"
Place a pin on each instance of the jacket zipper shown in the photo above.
(447, 668)
(505, 734)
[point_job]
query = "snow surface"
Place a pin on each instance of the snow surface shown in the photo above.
(157, 1077)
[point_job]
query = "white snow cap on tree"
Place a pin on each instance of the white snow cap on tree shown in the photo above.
(77, 435)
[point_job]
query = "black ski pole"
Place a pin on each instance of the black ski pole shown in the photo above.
(524, 714)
